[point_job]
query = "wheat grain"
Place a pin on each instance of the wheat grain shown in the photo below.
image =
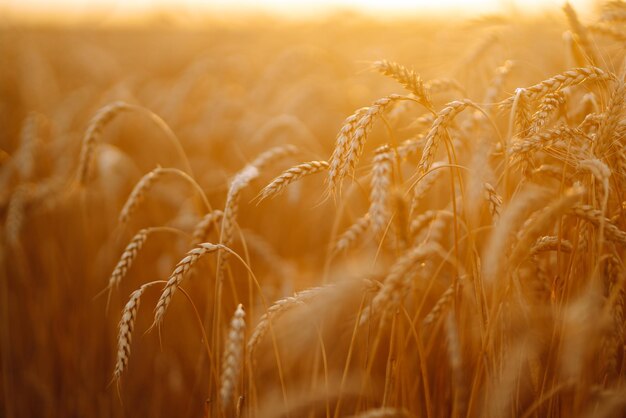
(278, 308)
(494, 201)
(551, 243)
(138, 194)
(233, 357)
(352, 234)
(443, 120)
(202, 228)
(361, 132)
(339, 156)
(128, 256)
(407, 78)
(394, 285)
(568, 78)
(379, 195)
(549, 103)
(595, 217)
(289, 176)
(173, 282)
(126, 326)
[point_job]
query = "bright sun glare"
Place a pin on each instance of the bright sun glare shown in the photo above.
(284, 8)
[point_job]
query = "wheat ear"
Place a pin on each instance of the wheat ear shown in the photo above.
(202, 228)
(93, 133)
(443, 120)
(173, 282)
(570, 77)
(289, 176)
(381, 183)
(233, 357)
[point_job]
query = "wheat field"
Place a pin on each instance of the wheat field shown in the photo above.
(343, 217)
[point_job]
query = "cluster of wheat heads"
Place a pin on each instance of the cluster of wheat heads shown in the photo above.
(497, 233)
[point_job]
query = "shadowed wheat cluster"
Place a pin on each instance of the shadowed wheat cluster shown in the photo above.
(327, 219)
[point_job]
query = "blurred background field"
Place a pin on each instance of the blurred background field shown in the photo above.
(229, 89)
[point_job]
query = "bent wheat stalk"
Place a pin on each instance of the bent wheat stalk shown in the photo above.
(102, 118)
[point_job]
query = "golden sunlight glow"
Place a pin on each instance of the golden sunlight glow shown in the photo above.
(283, 8)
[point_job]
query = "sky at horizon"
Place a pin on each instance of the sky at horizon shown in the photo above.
(77, 9)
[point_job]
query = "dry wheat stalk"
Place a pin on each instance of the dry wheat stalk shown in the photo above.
(94, 131)
(202, 228)
(407, 78)
(549, 103)
(494, 200)
(536, 225)
(601, 173)
(551, 243)
(352, 234)
(553, 171)
(456, 364)
(595, 217)
(395, 284)
(233, 357)
(425, 184)
(127, 323)
(581, 33)
(523, 150)
(138, 194)
(605, 137)
(178, 274)
(568, 78)
(278, 308)
(380, 186)
(289, 176)
(127, 258)
(384, 412)
(444, 118)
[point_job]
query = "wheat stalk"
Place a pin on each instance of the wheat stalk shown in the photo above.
(103, 117)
